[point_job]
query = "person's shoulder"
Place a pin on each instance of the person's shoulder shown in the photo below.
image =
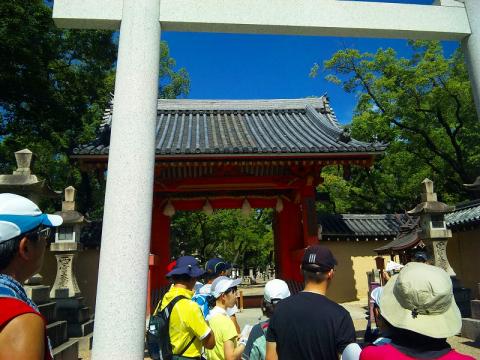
(219, 318)
(188, 307)
(12, 308)
(373, 352)
(333, 307)
(321, 299)
(23, 337)
(26, 327)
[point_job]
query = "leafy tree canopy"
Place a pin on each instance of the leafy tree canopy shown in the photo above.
(423, 108)
(240, 239)
(54, 86)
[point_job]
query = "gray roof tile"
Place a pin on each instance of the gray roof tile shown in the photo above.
(242, 127)
(360, 225)
(464, 214)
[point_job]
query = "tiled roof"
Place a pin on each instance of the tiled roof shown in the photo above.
(359, 225)
(404, 240)
(243, 127)
(464, 214)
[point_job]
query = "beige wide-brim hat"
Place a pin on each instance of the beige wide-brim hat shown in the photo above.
(420, 299)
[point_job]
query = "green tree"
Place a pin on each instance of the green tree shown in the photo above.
(240, 239)
(423, 108)
(54, 87)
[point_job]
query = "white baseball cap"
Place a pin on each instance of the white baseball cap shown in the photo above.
(276, 290)
(222, 284)
(18, 215)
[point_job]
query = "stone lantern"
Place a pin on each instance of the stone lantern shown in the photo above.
(66, 246)
(434, 232)
(23, 182)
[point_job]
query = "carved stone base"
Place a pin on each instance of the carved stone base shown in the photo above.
(65, 278)
(438, 249)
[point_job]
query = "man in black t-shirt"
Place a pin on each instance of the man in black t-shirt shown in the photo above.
(308, 325)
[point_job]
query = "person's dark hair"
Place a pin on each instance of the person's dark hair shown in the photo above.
(268, 308)
(409, 339)
(180, 278)
(316, 277)
(9, 248)
(210, 276)
(211, 301)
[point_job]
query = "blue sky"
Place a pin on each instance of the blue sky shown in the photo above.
(232, 66)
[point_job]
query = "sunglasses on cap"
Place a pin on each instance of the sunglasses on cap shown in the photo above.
(39, 234)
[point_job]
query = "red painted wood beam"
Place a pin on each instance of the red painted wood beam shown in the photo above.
(227, 183)
(221, 203)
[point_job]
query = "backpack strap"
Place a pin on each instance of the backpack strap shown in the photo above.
(186, 346)
(169, 309)
(159, 305)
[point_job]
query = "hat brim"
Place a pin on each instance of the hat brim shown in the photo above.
(52, 220)
(437, 326)
(233, 283)
(193, 272)
(27, 223)
(236, 282)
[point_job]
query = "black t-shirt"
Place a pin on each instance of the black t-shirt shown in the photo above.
(310, 326)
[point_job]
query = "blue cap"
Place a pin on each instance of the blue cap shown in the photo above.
(216, 266)
(187, 265)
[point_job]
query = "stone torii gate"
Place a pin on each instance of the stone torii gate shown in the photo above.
(122, 284)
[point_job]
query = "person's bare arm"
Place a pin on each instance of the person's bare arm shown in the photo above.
(231, 352)
(271, 351)
(23, 338)
(209, 341)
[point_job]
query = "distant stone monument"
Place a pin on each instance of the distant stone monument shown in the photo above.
(435, 235)
(23, 182)
(70, 304)
(66, 246)
(434, 232)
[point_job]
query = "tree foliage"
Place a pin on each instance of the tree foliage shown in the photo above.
(423, 108)
(54, 86)
(240, 239)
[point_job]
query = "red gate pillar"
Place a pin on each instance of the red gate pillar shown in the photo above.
(288, 239)
(309, 216)
(159, 252)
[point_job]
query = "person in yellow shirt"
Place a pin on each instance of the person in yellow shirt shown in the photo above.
(188, 329)
(224, 290)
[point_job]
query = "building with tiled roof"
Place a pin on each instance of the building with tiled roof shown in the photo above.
(359, 227)
(243, 127)
(465, 216)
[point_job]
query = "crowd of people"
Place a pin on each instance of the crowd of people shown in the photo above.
(415, 311)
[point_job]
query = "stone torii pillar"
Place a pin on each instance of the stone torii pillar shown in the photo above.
(121, 295)
(122, 279)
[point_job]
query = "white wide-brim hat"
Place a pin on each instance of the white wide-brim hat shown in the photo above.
(420, 299)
